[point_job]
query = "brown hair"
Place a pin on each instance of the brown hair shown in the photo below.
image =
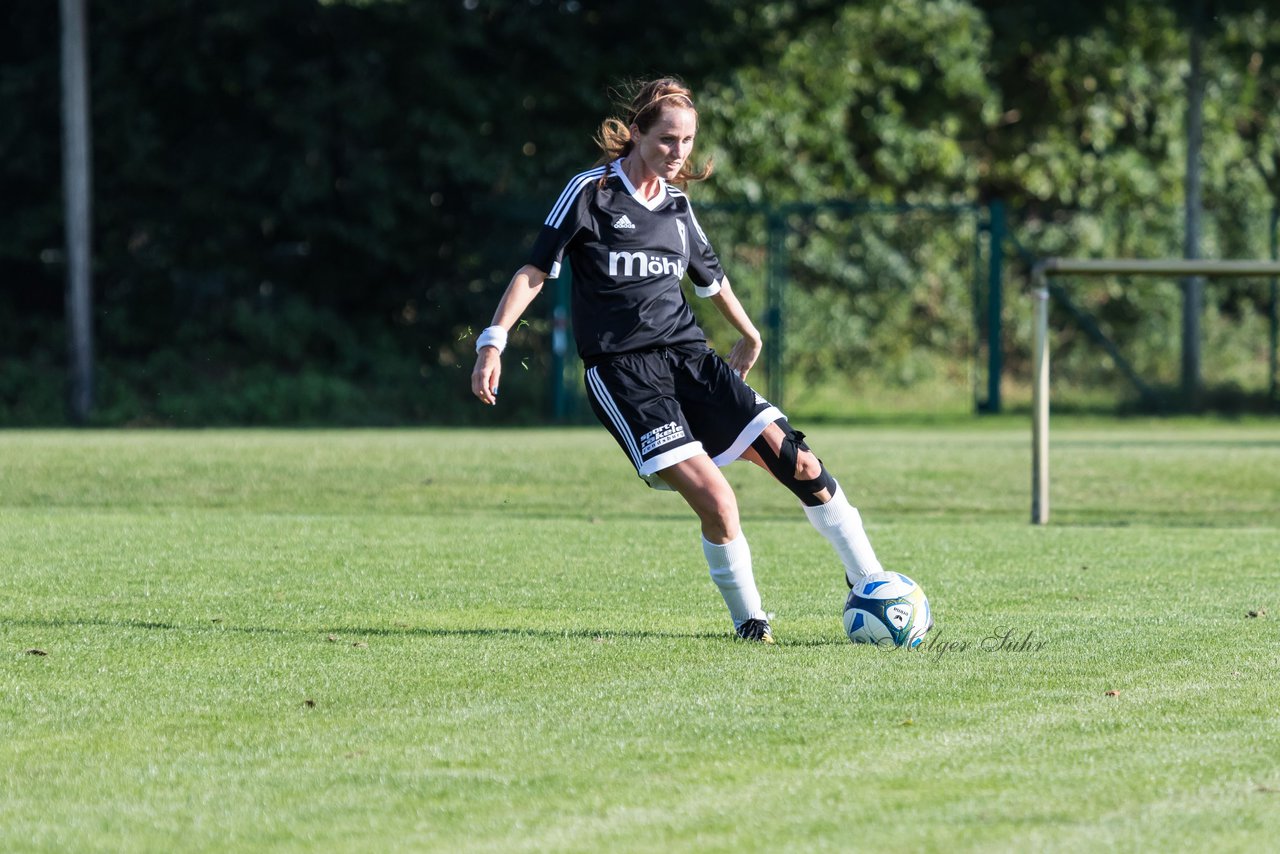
(642, 107)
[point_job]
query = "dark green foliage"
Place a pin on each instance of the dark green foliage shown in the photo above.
(305, 210)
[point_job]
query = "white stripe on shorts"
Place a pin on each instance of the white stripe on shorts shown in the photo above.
(596, 386)
(748, 435)
(668, 459)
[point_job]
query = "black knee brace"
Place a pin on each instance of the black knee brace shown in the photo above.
(783, 465)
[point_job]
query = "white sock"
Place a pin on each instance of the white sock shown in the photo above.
(730, 566)
(841, 523)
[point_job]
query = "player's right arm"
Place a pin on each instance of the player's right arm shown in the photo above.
(568, 216)
(524, 286)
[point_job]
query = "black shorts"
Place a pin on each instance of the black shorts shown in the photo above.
(665, 406)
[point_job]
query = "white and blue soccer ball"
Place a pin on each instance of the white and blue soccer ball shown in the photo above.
(887, 609)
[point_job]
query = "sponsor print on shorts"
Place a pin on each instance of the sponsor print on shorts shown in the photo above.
(659, 436)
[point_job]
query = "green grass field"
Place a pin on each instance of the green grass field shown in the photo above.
(502, 641)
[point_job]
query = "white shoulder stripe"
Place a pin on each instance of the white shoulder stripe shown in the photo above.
(698, 228)
(571, 191)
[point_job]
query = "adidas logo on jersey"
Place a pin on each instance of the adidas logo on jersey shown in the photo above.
(623, 222)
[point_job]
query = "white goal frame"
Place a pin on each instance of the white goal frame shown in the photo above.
(1096, 267)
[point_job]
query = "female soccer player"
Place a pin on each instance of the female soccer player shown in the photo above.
(678, 410)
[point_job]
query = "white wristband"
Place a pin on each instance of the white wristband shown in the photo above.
(493, 336)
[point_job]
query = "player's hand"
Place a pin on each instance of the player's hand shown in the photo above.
(484, 377)
(744, 354)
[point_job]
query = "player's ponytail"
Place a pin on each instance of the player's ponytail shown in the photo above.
(614, 139)
(642, 108)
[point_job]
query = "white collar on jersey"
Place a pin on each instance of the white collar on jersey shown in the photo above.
(651, 204)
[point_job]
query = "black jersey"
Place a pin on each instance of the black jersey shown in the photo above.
(628, 257)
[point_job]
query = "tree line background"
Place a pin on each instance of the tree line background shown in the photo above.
(304, 211)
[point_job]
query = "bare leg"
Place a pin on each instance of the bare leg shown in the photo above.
(703, 486)
(701, 483)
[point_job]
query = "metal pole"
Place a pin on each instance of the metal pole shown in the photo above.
(560, 347)
(1040, 401)
(978, 295)
(1158, 267)
(995, 304)
(78, 193)
(1096, 267)
(1274, 310)
(1193, 288)
(775, 320)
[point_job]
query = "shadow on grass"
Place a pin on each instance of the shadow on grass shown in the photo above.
(406, 631)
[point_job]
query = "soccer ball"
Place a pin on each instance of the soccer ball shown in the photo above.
(887, 609)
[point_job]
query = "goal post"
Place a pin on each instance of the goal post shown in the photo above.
(1040, 274)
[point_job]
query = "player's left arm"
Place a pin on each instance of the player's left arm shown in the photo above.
(743, 355)
(711, 283)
